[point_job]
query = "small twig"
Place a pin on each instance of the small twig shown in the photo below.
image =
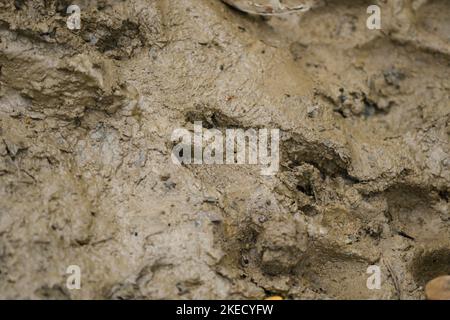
(394, 277)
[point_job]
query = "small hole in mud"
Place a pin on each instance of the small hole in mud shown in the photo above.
(309, 210)
(307, 189)
(164, 177)
(444, 195)
(429, 265)
(18, 4)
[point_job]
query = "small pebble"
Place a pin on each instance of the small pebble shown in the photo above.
(438, 288)
(210, 200)
(274, 298)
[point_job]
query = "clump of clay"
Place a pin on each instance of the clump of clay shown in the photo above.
(267, 7)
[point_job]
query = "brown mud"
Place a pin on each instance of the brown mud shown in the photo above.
(86, 178)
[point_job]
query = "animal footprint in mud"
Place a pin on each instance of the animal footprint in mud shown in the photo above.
(268, 7)
(438, 289)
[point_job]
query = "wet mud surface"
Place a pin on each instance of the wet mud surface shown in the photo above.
(86, 176)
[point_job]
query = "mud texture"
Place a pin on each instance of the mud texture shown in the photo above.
(86, 178)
